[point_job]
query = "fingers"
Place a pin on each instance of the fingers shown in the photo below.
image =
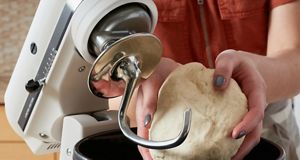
(145, 153)
(148, 92)
(231, 63)
(235, 64)
(256, 106)
(254, 88)
(146, 105)
(250, 141)
(147, 100)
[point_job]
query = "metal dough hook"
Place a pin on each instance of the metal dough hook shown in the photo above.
(130, 73)
(120, 67)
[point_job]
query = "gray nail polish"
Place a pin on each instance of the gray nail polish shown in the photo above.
(147, 120)
(241, 134)
(219, 81)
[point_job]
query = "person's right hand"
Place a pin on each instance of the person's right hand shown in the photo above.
(147, 99)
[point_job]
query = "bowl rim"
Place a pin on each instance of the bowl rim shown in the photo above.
(80, 156)
(282, 153)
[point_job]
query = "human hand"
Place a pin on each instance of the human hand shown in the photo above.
(241, 66)
(229, 64)
(147, 99)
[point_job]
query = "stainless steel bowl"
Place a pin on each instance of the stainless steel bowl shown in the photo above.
(267, 150)
(112, 145)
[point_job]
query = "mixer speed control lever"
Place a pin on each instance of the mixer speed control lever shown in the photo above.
(33, 85)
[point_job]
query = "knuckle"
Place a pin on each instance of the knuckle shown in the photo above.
(224, 64)
(260, 114)
(226, 55)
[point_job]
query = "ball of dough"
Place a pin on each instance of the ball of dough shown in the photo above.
(214, 115)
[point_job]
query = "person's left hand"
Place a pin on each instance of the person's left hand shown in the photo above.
(241, 67)
(147, 100)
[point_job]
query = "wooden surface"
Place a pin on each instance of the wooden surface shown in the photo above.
(6, 134)
(12, 147)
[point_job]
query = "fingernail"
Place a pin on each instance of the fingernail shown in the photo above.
(219, 81)
(241, 134)
(147, 120)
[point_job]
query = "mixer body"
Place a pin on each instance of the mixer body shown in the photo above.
(49, 86)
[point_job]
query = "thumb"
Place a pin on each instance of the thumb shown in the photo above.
(225, 63)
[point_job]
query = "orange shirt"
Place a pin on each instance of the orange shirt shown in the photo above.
(198, 30)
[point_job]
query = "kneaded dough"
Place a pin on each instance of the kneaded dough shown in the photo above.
(214, 115)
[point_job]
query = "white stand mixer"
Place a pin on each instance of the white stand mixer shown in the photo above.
(51, 100)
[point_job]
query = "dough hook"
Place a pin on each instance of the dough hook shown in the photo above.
(119, 67)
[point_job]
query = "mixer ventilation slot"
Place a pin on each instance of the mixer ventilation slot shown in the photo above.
(53, 146)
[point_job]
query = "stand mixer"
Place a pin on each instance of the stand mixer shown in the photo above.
(77, 54)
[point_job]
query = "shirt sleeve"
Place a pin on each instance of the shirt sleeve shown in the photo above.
(276, 3)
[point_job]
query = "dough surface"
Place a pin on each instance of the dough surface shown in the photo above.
(214, 115)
